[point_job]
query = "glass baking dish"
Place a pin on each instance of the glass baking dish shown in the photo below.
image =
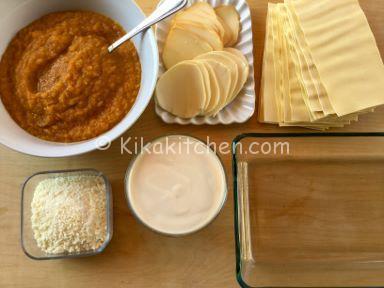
(28, 241)
(309, 210)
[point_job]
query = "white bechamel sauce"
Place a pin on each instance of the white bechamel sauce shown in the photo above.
(176, 191)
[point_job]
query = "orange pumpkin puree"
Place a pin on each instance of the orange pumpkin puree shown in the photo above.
(59, 82)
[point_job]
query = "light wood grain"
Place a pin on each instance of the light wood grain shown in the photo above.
(136, 256)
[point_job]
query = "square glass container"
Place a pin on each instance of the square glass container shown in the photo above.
(28, 241)
(309, 210)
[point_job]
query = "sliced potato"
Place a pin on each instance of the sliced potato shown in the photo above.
(231, 18)
(182, 45)
(238, 53)
(223, 76)
(207, 84)
(203, 77)
(223, 58)
(243, 68)
(181, 90)
(207, 34)
(193, 18)
(227, 37)
(214, 87)
(213, 19)
(201, 13)
(203, 7)
(202, 24)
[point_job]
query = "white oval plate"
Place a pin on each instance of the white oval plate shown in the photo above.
(243, 107)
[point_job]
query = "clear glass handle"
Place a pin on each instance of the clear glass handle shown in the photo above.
(166, 9)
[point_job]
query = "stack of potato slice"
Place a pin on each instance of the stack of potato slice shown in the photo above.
(203, 77)
(198, 30)
(322, 67)
(203, 86)
(230, 19)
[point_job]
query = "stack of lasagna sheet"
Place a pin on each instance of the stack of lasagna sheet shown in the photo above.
(322, 67)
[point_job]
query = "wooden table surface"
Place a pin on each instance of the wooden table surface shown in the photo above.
(136, 256)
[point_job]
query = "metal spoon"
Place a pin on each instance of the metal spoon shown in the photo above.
(166, 9)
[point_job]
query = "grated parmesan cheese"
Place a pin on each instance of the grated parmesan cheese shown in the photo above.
(69, 214)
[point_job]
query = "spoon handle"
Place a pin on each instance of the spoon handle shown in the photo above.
(166, 9)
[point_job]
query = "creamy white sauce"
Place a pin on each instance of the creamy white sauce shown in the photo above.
(179, 190)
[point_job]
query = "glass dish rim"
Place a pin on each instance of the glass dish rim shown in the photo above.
(109, 203)
(243, 136)
(132, 210)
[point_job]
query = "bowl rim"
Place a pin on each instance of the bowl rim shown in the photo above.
(83, 147)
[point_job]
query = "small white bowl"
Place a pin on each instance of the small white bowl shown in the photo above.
(125, 12)
(137, 211)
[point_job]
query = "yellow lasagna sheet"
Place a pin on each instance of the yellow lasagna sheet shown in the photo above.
(344, 51)
(269, 110)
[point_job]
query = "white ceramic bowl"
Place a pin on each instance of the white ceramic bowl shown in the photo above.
(128, 14)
